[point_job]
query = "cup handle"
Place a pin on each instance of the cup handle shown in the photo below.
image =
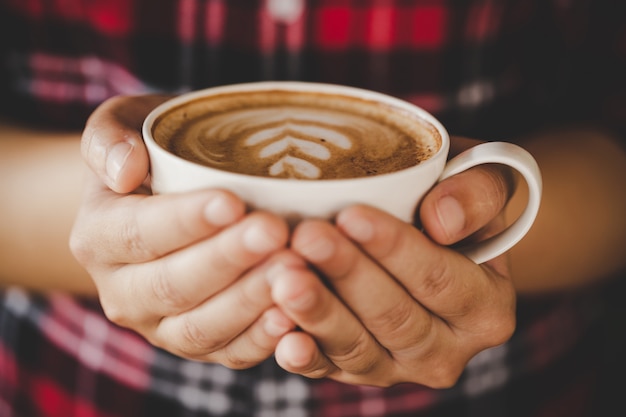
(517, 158)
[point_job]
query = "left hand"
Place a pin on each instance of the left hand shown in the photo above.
(398, 306)
(184, 270)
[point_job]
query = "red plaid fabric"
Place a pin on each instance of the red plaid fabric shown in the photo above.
(486, 68)
(60, 357)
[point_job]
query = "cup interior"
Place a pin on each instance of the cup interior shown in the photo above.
(163, 120)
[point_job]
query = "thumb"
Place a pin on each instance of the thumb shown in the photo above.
(463, 204)
(111, 142)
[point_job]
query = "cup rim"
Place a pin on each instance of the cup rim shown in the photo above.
(303, 86)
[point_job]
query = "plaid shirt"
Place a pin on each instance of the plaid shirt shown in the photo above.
(486, 68)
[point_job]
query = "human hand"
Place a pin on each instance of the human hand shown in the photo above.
(185, 270)
(396, 305)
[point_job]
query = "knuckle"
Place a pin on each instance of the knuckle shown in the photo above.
(444, 376)
(81, 248)
(496, 321)
(399, 326)
(499, 182)
(114, 301)
(248, 298)
(319, 372)
(436, 369)
(435, 280)
(432, 366)
(505, 179)
(195, 341)
(233, 361)
(500, 330)
(317, 367)
(355, 358)
(130, 237)
(165, 292)
(115, 313)
(255, 352)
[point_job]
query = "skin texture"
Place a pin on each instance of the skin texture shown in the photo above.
(366, 299)
(41, 178)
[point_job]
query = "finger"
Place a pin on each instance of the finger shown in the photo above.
(302, 296)
(237, 327)
(111, 142)
(114, 230)
(188, 277)
(380, 302)
(465, 295)
(298, 353)
(465, 203)
(258, 342)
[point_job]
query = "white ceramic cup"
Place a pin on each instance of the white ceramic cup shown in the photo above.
(397, 193)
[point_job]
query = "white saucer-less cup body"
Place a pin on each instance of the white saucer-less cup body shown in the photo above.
(397, 193)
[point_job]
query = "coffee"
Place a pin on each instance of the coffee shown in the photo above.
(299, 135)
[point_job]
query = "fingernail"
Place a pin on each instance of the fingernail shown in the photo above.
(258, 239)
(116, 159)
(319, 249)
(300, 301)
(359, 229)
(451, 216)
(276, 324)
(285, 290)
(273, 271)
(219, 212)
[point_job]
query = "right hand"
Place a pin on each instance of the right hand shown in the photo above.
(186, 271)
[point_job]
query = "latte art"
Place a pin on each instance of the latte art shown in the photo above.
(294, 136)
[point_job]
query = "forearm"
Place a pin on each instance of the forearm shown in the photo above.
(40, 188)
(579, 237)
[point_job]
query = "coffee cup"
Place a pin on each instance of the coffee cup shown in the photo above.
(304, 150)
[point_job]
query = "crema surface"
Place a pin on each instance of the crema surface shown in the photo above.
(296, 135)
